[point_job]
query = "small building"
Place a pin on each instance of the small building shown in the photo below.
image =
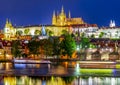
(96, 56)
(82, 56)
(114, 56)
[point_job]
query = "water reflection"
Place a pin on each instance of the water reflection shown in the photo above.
(25, 80)
(6, 66)
(23, 66)
(61, 68)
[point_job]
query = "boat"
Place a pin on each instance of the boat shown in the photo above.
(97, 64)
(29, 61)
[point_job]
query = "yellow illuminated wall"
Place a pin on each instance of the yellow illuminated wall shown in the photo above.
(61, 19)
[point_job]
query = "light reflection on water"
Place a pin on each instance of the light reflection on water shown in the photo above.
(25, 80)
(58, 69)
(6, 66)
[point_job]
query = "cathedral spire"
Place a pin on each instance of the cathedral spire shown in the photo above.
(54, 15)
(112, 23)
(43, 31)
(7, 21)
(62, 10)
(69, 15)
(54, 18)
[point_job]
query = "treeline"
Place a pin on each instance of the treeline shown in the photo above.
(51, 46)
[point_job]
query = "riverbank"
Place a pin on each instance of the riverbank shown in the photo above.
(5, 60)
(62, 60)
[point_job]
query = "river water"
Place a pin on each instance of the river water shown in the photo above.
(62, 73)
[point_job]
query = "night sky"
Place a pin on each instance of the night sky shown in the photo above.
(34, 12)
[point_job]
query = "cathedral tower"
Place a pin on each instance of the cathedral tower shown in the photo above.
(62, 17)
(54, 19)
(69, 15)
(112, 23)
(9, 30)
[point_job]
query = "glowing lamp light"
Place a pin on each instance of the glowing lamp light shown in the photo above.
(78, 48)
(77, 68)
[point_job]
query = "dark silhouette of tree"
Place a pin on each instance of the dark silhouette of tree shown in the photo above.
(19, 33)
(26, 31)
(56, 47)
(34, 47)
(101, 34)
(37, 32)
(68, 45)
(47, 46)
(16, 46)
(84, 43)
(92, 36)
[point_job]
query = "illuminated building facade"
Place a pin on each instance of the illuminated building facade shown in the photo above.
(9, 31)
(109, 32)
(60, 22)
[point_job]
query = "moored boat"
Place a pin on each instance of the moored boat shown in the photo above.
(26, 61)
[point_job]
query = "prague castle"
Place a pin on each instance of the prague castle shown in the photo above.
(61, 19)
(60, 22)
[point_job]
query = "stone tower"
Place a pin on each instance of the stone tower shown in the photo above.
(62, 18)
(59, 19)
(54, 18)
(9, 31)
(112, 23)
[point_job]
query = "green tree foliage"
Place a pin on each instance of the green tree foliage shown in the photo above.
(101, 34)
(56, 47)
(34, 47)
(76, 34)
(19, 33)
(37, 32)
(92, 36)
(49, 32)
(68, 45)
(92, 45)
(26, 31)
(84, 43)
(47, 46)
(68, 80)
(83, 35)
(16, 46)
(64, 32)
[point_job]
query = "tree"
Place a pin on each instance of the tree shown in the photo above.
(56, 47)
(47, 46)
(49, 32)
(64, 32)
(34, 47)
(101, 34)
(68, 80)
(92, 36)
(84, 43)
(26, 31)
(37, 32)
(16, 46)
(68, 45)
(92, 45)
(82, 35)
(19, 33)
